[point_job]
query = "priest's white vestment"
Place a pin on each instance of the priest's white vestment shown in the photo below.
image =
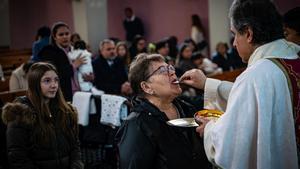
(257, 130)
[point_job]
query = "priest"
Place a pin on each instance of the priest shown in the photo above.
(260, 125)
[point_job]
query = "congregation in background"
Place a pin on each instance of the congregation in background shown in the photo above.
(110, 108)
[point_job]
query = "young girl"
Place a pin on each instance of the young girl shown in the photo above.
(123, 54)
(42, 127)
(184, 58)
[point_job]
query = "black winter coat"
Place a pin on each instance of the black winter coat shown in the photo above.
(56, 56)
(24, 153)
(146, 141)
(222, 62)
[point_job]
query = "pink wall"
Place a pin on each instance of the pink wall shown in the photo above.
(27, 16)
(161, 17)
(285, 5)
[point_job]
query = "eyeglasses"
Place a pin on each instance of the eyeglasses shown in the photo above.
(48, 81)
(162, 70)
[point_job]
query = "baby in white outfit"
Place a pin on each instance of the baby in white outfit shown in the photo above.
(80, 50)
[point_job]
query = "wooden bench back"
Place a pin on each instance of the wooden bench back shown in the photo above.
(12, 52)
(4, 85)
(229, 75)
(9, 61)
(9, 96)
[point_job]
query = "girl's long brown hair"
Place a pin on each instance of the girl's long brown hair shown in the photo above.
(127, 57)
(44, 125)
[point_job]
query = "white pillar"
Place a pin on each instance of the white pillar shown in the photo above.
(97, 22)
(90, 21)
(80, 19)
(219, 23)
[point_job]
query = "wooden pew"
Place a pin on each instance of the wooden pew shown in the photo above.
(4, 85)
(9, 96)
(229, 75)
(13, 52)
(4, 48)
(10, 63)
(12, 59)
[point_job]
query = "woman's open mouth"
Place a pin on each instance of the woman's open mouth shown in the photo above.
(175, 81)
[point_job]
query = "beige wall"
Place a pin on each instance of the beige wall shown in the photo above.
(219, 25)
(90, 21)
(80, 19)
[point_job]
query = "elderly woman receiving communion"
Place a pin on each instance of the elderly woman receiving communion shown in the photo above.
(145, 139)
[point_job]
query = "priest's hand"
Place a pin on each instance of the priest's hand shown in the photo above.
(194, 77)
(202, 121)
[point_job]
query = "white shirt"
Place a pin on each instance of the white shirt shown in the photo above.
(196, 35)
(18, 79)
(257, 129)
(131, 19)
(209, 67)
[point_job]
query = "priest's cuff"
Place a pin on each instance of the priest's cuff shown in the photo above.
(209, 141)
(210, 93)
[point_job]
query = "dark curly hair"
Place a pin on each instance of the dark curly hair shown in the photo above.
(291, 19)
(261, 16)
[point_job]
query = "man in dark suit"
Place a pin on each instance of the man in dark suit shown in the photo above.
(109, 71)
(133, 25)
(222, 58)
(111, 77)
